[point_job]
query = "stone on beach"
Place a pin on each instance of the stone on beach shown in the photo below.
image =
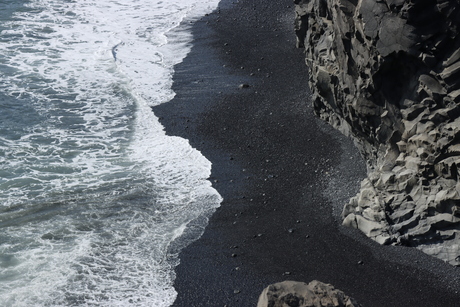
(300, 294)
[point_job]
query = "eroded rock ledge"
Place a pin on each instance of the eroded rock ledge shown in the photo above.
(387, 73)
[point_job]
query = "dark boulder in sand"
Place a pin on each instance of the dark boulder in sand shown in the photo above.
(387, 73)
(300, 294)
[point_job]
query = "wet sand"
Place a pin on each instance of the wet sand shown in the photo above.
(284, 175)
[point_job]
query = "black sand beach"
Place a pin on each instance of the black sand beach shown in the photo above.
(284, 175)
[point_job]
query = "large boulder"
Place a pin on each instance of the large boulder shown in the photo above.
(387, 73)
(300, 294)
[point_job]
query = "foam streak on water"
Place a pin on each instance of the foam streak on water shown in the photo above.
(95, 200)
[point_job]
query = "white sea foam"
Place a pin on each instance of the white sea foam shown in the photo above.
(92, 191)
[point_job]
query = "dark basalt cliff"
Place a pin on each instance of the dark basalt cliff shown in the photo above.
(387, 73)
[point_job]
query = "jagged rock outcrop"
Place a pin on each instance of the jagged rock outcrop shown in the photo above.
(387, 73)
(300, 294)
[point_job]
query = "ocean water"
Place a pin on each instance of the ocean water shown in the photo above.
(95, 200)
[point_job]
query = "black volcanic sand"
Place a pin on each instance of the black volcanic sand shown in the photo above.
(283, 174)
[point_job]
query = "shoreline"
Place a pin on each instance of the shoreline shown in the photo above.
(282, 172)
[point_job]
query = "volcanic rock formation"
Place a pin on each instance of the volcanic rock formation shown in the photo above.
(387, 73)
(299, 294)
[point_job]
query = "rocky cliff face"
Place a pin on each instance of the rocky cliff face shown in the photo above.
(387, 73)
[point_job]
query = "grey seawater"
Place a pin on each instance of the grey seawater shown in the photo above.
(95, 200)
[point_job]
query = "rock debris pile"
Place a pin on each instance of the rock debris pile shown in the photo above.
(387, 73)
